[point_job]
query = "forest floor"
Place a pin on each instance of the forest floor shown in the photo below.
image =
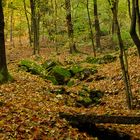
(29, 111)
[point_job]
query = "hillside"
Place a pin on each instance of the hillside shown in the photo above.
(30, 105)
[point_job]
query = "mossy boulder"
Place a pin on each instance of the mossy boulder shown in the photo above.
(101, 60)
(32, 67)
(74, 69)
(109, 58)
(5, 76)
(82, 73)
(71, 82)
(49, 64)
(52, 79)
(92, 60)
(84, 101)
(95, 95)
(62, 75)
(87, 72)
(57, 73)
(89, 97)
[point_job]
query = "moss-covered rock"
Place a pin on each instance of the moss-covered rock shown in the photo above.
(52, 79)
(95, 95)
(82, 73)
(5, 76)
(87, 72)
(74, 69)
(109, 58)
(101, 60)
(62, 75)
(70, 83)
(84, 101)
(49, 64)
(92, 60)
(33, 67)
(56, 73)
(89, 97)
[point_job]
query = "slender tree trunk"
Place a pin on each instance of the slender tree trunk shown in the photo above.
(138, 15)
(11, 26)
(123, 62)
(129, 9)
(70, 27)
(97, 25)
(3, 65)
(35, 25)
(90, 28)
(20, 30)
(38, 31)
(32, 3)
(133, 32)
(28, 23)
(55, 22)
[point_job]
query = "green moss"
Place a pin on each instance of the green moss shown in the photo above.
(49, 64)
(84, 101)
(101, 60)
(61, 75)
(32, 67)
(70, 83)
(62, 71)
(52, 79)
(75, 69)
(5, 76)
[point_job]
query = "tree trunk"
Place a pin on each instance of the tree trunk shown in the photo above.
(124, 66)
(90, 28)
(55, 22)
(3, 65)
(133, 33)
(91, 125)
(28, 23)
(20, 30)
(93, 119)
(115, 8)
(129, 9)
(11, 26)
(97, 25)
(138, 15)
(32, 19)
(35, 26)
(70, 27)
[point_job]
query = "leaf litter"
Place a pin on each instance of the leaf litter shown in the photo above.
(29, 111)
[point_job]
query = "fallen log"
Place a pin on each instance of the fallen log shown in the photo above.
(100, 118)
(87, 123)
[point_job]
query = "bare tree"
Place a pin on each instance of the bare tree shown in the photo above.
(133, 32)
(11, 22)
(28, 23)
(3, 65)
(70, 27)
(90, 28)
(129, 9)
(35, 20)
(123, 58)
(97, 25)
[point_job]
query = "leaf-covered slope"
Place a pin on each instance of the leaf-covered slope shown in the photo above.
(30, 110)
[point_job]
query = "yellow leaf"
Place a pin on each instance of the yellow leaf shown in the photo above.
(1, 122)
